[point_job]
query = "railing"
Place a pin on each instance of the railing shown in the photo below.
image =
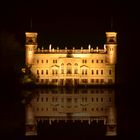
(68, 51)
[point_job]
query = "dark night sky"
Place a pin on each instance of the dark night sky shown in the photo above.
(75, 23)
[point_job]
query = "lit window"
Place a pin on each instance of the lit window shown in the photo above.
(84, 71)
(61, 81)
(75, 71)
(92, 80)
(101, 71)
(54, 80)
(69, 68)
(110, 72)
(102, 80)
(84, 80)
(110, 81)
(69, 71)
(96, 71)
(62, 71)
(47, 80)
(37, 72)
(42, 72)
(54, 61)
(76, 81)
(84, 61)
(97, 80)
(54, 71)
(46, 72)
(92, 72)
(62, 68)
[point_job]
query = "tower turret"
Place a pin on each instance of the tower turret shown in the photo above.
(111, 46)
(31, 45)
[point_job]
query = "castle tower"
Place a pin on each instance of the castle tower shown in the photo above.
(30, 121)
(111, 122)
(31, 45)
(111, 46)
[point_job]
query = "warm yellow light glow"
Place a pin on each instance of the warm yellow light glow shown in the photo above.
(31, 34)
(109, 34)
(93, 64)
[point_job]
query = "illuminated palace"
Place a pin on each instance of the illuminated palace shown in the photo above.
(61, 67)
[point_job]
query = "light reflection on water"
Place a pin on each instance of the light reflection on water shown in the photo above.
(68, 111)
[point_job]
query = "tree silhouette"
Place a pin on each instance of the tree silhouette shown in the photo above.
(11, 55)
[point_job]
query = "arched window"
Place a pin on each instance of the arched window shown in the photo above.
(54, 71)
(84, 71)
(69, 68)
(75, 68)
(62, 68)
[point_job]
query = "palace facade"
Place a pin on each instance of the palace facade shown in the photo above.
(62, 67)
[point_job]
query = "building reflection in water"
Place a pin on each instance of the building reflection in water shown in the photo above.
(83, 105)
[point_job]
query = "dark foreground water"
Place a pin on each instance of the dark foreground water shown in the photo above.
(14, 101)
